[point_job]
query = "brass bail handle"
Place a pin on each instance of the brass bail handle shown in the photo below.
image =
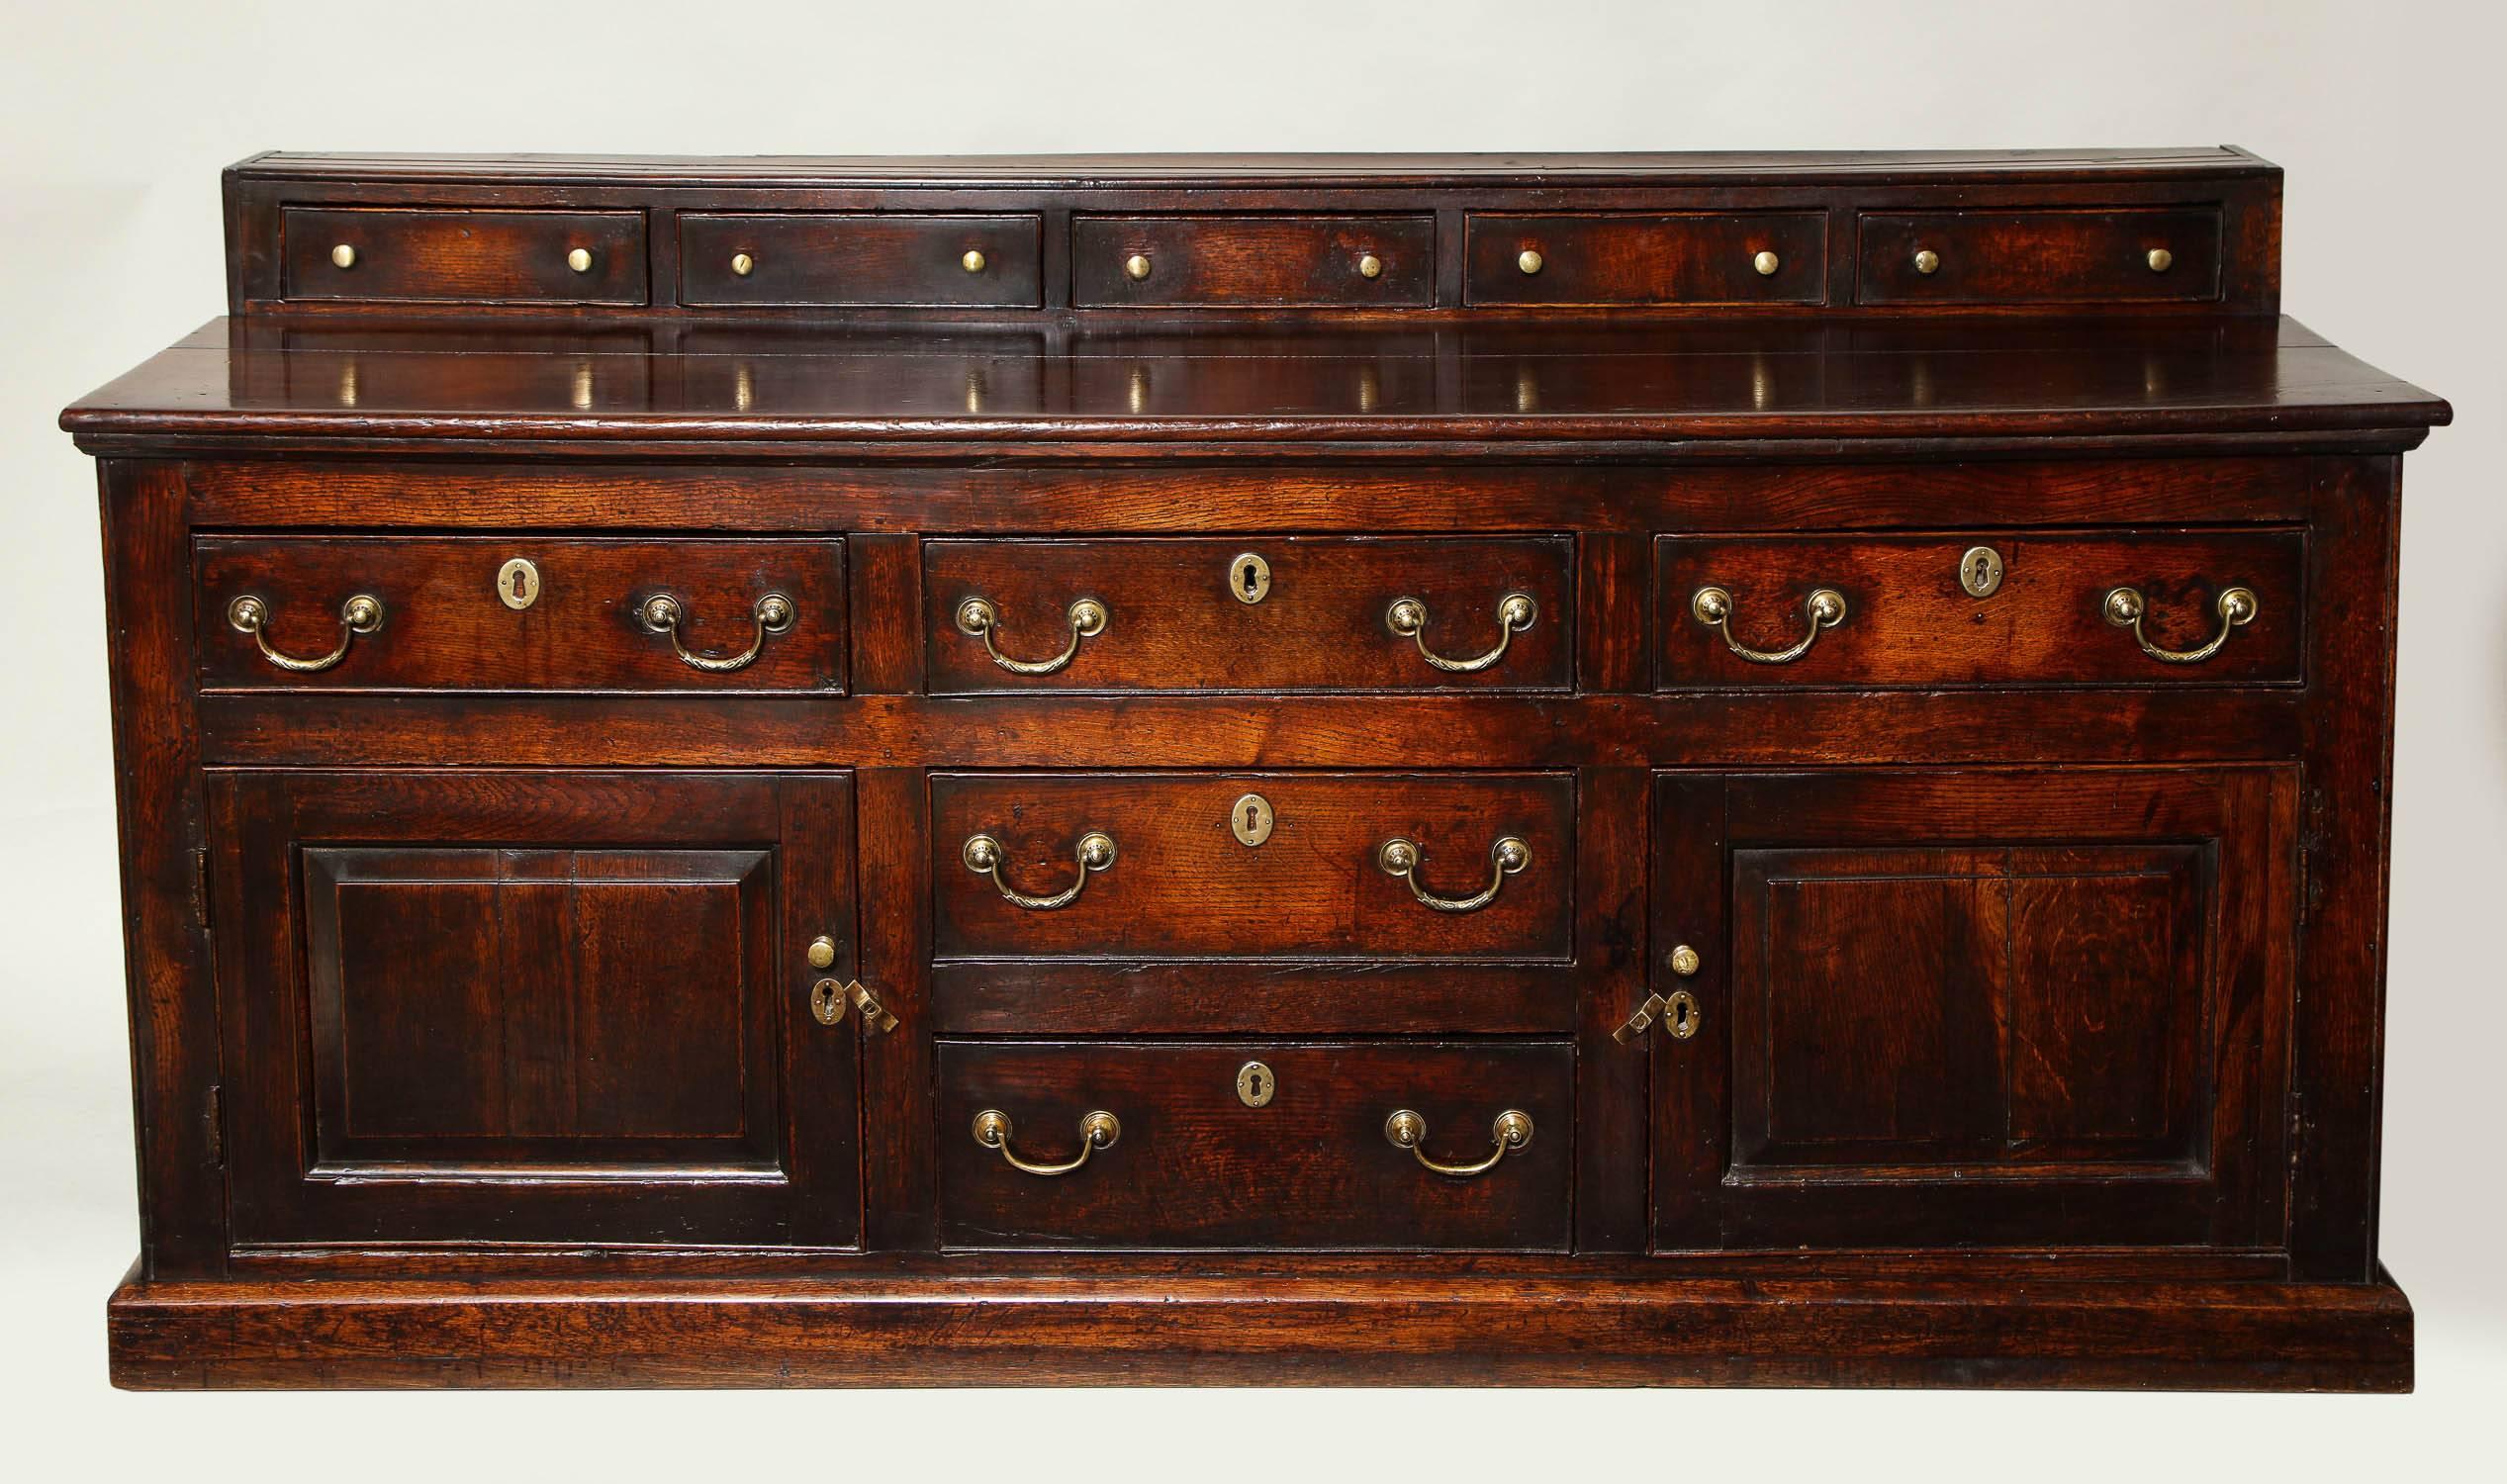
(1512, 1132)
(984, 855)
(2235, 606)
(1097, 1131)
(1516, 612)
(663, 614)
(979, 619)
(1824, 607)
(361, 614)
(1400, 857)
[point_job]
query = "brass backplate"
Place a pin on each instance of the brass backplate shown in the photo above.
(826, 1002)
(1250, 819)
(1254, 1084)
(1249, 578)
(1981, 570)
(518, 584)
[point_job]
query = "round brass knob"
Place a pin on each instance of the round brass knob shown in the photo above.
(344, 256)
(579, 259)
(972, 262)
(743, 264)
(822, 952)
(1684, 961)
(1928, 262)
(1530, 260)
(2161, 260)
(1370, 267)
(1767, 263)
(1136, 267)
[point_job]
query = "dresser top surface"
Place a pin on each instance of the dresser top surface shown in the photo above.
(246, 380)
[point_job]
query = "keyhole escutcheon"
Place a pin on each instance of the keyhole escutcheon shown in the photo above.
(1249, 578)
(1981, 570)
(1250, 819)
(518, 584)
(1254, 1084)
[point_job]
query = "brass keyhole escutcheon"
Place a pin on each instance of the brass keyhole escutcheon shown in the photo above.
(1250, 819)
(1254, 1084)
(1981, 570)
(826, 1002)
(1249, 578)
(518, 584)
(1680, 1015)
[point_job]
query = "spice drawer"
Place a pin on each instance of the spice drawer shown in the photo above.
(448, 256)
(863, 258)
(1250, 261)
(2085, 256)
(1395, 1145)
(1691, 258)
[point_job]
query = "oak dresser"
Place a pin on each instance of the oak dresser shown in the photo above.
(1431, 770)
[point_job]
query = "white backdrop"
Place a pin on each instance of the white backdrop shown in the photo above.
(117, 118)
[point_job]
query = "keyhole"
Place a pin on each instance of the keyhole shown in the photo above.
(1978, 580)
(1252, 817)
(1248, 580)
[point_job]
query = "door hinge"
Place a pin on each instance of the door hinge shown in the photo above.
(218, 1123)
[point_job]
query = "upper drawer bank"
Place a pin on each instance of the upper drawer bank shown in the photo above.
(450, 256)
(1249, 613)
(520, 612)
(1146, 866)
(1252, 261)
(2055, 256)
(859, 259)
(2103, 608)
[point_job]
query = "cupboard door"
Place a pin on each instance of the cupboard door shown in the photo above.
(482, 1006)
(1982, 1008)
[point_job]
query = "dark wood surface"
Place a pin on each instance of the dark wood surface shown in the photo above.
(2039, 986)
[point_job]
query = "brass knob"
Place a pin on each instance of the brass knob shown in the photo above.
(972, 262)
(743, 264)
(1928, 262)
(1370, 267)
(1684, 961)
(1767, 263)
(2161, 260)
(822, 952)
(1530, 260)
(344, 256)
(579, 259)
(1136, 267)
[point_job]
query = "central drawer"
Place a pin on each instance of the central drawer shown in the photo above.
(1238, 1144)
(1252, 866)
(1249, 613)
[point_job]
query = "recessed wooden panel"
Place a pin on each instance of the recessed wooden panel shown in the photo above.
(2040, 257)
(1909, 622)
(1181, 884)
(446, 627)
(1686, 258)
(1177, 621)
(863, 258)
(445, 255)
(1213, 262)
(1194, 1167)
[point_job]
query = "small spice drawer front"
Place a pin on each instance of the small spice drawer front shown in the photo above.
(861, 259)
(1339, 866)
(1252, 262)
(444, 255)
(1317, 1145)
(1985, 607)
(2040, 257)
(519, 612)
(1776, 257)
(1249, 613)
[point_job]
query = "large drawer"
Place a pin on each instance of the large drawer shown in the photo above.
(1250, 614)
(1252, 1145)
(2040, 257)
(447, 256)
(1254, 864)
(2057, 607)
(1771, 257)
(863, 258)
(1215, 262)
(523, 613)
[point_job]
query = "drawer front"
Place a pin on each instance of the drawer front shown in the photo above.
(446, 616)
(1699, 259)
(859, 258)
(2041, 256)
(1187, 1161)
(1910, 619)
(1250, 614)
(1179, 879)
(1207, 262)
(464, 256)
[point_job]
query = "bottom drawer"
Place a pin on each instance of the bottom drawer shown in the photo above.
(1205, 1148)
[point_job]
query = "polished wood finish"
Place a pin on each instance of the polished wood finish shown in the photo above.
(2033, 1024)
